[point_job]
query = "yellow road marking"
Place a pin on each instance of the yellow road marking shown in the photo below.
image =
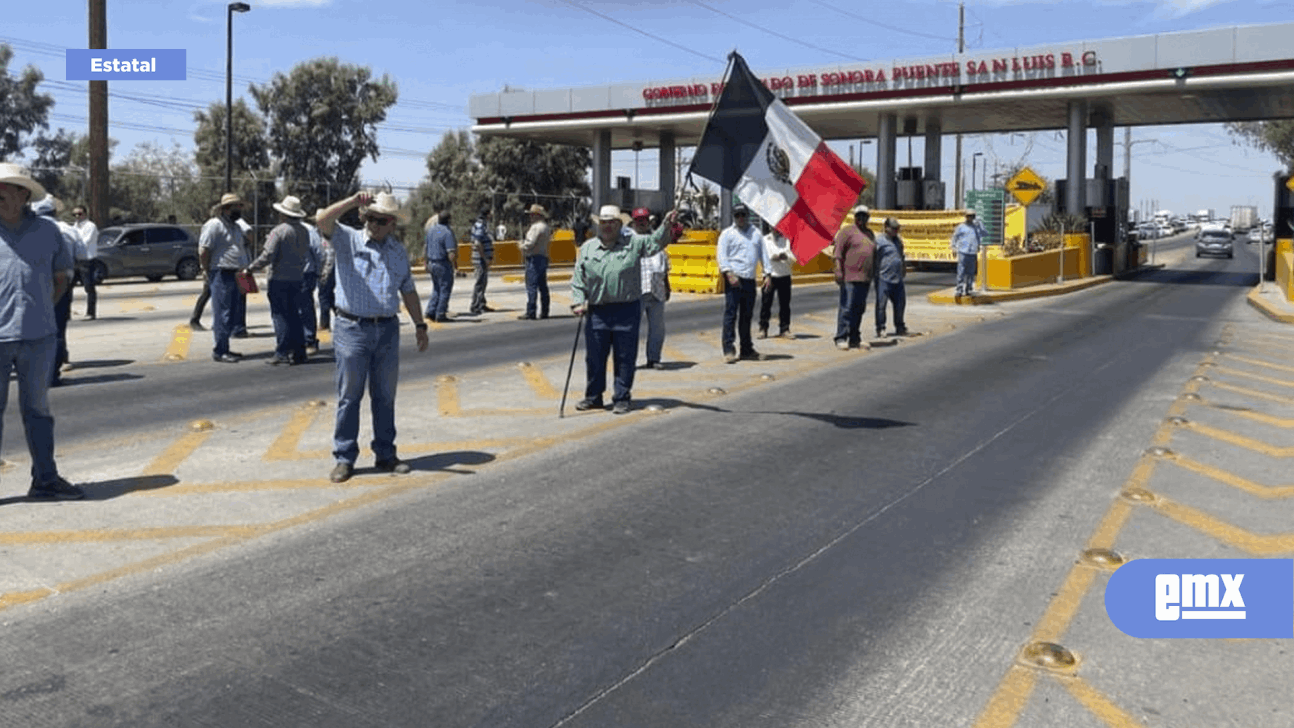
(285, 445)
(1263, 417)
(103, 535)
(447, 394)
(1239, 440)
(1256, 393)
(178, 452)
(1012, 694)
(1235, 481)
(324, 336)
(1097, 704)
(178, 349)
(22, 597)
(538, 382)
(1260, 362)
(1251, 375)
(1230, 534)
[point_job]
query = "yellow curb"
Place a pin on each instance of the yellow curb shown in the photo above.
(978, 299)
(1268, 309)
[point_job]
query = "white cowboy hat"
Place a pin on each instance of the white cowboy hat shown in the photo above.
(290, 206)
(47, 205)
(537, 209)
(229, 198)
(609, 212)
(14, 174)
(384, 203)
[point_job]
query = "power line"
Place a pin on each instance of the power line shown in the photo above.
(640, 31)
(774, 33)
(879, 24)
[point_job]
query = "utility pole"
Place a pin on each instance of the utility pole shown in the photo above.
(1127, 153)
(98, 202)
(958, 190)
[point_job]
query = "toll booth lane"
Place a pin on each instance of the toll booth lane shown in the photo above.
(1213, 482)
(179, 493)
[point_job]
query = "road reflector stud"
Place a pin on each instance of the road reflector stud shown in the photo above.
(767, 377)
(1193, 397)
(1178, 421)
(1208, 364)
(1049, 656)
(1159, 451)
(1139, 495)
(314, 403)
(655, 408)
(202, 425)
(446, 379)
(524, 365)
(174, 357)
(716, 390)
(1102, 559)
(1199, 378)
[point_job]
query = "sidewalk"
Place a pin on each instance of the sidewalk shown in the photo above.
(183, 492)
(1268, 300)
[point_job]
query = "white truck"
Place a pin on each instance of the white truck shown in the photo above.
(1243, 217)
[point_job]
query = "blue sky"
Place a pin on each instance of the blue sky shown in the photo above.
(439, 54)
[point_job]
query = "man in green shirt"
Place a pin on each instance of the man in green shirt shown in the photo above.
(607, 285)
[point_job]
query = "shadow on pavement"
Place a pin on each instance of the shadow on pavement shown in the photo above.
(1196, 277)
(109, 489)
(446, 461)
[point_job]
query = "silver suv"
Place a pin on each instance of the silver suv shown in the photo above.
(148, 249)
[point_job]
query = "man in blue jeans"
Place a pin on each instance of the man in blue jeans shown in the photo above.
(35, 271)
(967, 238)
(372, 273)
(740, 251)
(222, 254)
(287, 253)
(534, 246)
(441, 253)
(854, 265)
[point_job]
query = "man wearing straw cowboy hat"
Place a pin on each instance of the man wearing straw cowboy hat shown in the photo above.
(535, 248)
(222, 254)
(371, 268)
(287, 251)
(35, 271)
(607, 285)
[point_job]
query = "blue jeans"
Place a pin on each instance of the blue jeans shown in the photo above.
(537, 284)
(897, 294)
(611, 328)
(285, 312)
(366, 353)
(654, 309)
(306, 309)
(967, 266)
(442, 285)
(326, 299)
(853, 302)
(781, 287)
(224, 308)
(34, 361)
(738, 310)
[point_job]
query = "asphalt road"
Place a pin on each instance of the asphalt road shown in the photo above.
(863, 546)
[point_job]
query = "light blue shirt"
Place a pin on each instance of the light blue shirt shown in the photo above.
(438, 242)
(484, 248)
(225, 241)
(29, 257)
(740, 250)
(967, 237)
(315, 261)
(370, 274)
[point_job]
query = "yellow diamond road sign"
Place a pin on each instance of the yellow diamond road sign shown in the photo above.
(1025, 186)
(1290, 183)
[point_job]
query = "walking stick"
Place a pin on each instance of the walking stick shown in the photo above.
(579, 328)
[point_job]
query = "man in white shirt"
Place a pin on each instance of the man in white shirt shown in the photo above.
(85, 254)
(740, 250)
(777, 282)
(655, 285)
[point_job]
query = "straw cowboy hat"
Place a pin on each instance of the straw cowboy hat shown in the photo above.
(537, 209)
(609, 212)
(13, 174)
(290, 206)
(229, 198)
(384, 203)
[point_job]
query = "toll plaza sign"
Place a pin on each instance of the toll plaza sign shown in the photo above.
(894, 76)
(1025, 186)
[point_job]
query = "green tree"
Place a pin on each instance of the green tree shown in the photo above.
(1276, 137)
(250, 158)
(322, 124)
(520, 173)
(452, 183)
(868, 195)
(22, 109)
(53, 167)
(153, 182)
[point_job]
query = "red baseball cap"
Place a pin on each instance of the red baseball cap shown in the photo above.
(641, 212)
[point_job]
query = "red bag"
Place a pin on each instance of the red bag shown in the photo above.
(246, 283)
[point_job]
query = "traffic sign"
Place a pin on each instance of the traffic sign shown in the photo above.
(1025, 186)
(1289, 183)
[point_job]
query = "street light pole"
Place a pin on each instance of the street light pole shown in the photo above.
(974, 164)
(229, 91)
